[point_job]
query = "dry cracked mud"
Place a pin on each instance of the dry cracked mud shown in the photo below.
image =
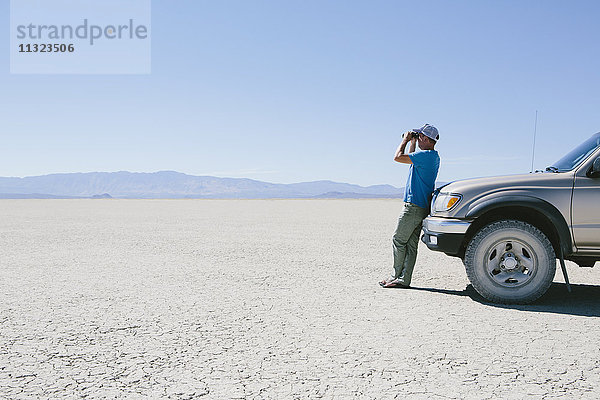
(266, 299)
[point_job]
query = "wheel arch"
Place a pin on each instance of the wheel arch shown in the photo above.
(532, 210)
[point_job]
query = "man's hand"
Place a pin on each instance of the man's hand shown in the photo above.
(408, 137)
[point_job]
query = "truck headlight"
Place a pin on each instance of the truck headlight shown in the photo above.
(446, 201)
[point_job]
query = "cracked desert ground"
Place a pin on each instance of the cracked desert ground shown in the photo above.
(266, 299)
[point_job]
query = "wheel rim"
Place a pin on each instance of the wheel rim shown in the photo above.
(511, 263)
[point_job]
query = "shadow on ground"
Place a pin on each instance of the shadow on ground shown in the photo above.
(583, 301)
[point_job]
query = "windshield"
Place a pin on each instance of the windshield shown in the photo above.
(577, 155)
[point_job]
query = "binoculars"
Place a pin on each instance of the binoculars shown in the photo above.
(413, 134)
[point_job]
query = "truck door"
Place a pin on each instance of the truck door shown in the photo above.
(585, 209)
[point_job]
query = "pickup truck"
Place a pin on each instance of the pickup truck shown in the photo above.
(510, 230)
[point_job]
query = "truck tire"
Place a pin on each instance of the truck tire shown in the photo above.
(510, 262)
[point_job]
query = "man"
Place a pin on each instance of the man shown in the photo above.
(423, 170)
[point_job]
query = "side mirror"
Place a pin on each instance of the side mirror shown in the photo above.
(594, 172)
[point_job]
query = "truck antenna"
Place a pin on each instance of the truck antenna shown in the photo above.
(534, 133)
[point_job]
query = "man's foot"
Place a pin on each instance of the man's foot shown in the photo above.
(386, 281)
(395, 284)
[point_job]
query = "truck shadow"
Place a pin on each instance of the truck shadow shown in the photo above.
(584, 300)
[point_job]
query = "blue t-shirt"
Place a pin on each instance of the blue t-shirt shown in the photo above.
(421, 177)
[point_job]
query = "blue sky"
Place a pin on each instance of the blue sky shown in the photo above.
(291, 91)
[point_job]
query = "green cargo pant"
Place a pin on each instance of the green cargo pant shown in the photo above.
(406, 240)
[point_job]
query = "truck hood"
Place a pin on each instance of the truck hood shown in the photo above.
(554, 187)
(508, 182)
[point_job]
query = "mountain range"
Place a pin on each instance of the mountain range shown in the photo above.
(171, 184)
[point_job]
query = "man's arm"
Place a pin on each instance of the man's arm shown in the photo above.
(400, 155)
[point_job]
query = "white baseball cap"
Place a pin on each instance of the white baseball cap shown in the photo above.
(430, 131)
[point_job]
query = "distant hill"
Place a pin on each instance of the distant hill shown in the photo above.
(170, 184)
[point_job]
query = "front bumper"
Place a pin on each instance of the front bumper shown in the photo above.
(444, 234)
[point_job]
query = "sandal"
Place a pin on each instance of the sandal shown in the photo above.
(395, 284)
(385, 281)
